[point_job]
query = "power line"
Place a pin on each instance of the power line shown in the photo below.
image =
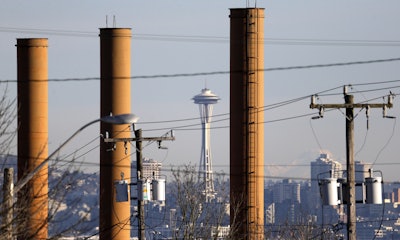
(176, 75)
(280, 104)
(265, 108)
(185, 127)
(213, 39)
(215, 165)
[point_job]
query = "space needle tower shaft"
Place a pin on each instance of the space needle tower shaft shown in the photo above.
(206, 99)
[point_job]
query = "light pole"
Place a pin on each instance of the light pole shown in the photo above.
(116, 119)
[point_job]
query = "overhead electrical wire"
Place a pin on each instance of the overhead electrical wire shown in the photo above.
(184, 127)
(386, 143)
(279, 104)
(298, 67)
(315, 135)
(212, 39)
(176, 167)
(271, 106)
(293, 226)
(180, 128)
(366, 132)
(222, 166)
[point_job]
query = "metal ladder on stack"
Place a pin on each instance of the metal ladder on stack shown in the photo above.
(251, 122)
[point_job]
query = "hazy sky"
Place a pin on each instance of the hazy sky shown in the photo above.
(175, 37)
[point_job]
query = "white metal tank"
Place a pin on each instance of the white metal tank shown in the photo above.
(373, 187)
(158, 189)
(144, 190)
(329, 191)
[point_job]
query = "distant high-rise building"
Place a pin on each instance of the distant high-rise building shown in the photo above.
(322, 167)
(172, 221)
(270, 214)
(151, 169)
(362, 170)
(286, 190)
(206, 99)
(396, 195)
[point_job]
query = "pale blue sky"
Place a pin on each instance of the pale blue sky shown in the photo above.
(169, 38)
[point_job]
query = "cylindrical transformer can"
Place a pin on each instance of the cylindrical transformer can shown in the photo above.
(329, 191)
(373, 187)
(144, 190)
(158, 189)
(121, 191)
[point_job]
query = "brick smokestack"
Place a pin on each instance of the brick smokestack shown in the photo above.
(246, 123)
(32, 77)
(115, 50)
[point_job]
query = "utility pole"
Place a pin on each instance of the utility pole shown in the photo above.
(349, 105)
(139, 167)
(351, 183)
(7, 210)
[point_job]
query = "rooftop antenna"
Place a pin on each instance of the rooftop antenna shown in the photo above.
(106, 21)
(248, 3)
(114, 22)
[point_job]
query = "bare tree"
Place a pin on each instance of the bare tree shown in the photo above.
(62, 188)
(303, 228)
(7, 136)
(70, 213)
(196, 218)
(7, 119)
(73, 206)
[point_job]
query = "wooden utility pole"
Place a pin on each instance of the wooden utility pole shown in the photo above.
(139, 167)
(8, 202)
(351, 179)
(351, 190)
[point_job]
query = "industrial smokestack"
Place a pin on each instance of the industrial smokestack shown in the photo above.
(246, 123)
(115, 163)
(32, 136)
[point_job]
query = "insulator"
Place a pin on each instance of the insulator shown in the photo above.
(390, 99)
(384, 111)
(321, 112)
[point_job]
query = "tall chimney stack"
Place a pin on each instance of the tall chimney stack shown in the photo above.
(115, 163)
(32, 136)
(246, 123)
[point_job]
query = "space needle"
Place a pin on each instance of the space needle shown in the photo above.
(206, 99)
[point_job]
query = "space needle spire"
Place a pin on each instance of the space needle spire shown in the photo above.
(206, 99)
